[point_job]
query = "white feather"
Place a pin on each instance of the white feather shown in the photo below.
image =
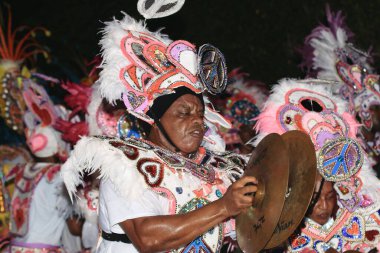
(92, 109)
(91, 154)
(111, 87)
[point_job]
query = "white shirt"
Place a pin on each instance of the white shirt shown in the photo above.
(46, 221)
(113, 209)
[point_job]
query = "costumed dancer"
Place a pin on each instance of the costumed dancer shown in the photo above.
(104, 119)
(17, 47)
(72, 127)
(101, 119)
(240, 104)
(8, 157)
(39, 205)
(329, 54)
(309, 105)
(166, 192)
(24, 103)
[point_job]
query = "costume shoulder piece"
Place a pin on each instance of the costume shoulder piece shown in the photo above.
(230, 162)
(134, 162)
(111, 156)
(135, 165)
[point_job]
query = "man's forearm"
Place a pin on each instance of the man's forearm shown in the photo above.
(159, 233)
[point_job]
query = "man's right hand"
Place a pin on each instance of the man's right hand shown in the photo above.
(238, 198)
(166, 232)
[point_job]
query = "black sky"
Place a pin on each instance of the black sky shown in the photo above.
(259, 36)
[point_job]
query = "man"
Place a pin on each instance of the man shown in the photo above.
(39, 207)
(308, 105)
(241, 104)
(165, 193)
(322, 210)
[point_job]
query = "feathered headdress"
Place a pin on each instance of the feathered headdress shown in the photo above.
(139, 66)
(309, 106)
(111, 120)
(327, 45)
(39, 118)
(329, 54)
(19, 44)
(240, 104)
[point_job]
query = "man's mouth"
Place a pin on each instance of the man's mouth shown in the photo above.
(197, 133)
(323, 216)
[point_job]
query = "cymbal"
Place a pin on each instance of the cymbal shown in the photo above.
(269, 163)
(302, 175)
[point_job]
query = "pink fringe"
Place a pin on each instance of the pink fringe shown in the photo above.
(266, 120)
(352, 123)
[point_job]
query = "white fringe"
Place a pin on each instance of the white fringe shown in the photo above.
(325, 57)
(92, 109)
(111, 86)
(279, 91)
(92, 154)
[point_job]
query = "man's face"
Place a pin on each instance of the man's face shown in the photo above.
(183, 122)
(324, 207)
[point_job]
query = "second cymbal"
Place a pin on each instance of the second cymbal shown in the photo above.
(269, 163)
(302, 174)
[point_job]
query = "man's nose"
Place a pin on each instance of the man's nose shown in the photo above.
(198, 119)
(323, 204)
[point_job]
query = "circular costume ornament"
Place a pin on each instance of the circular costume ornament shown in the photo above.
(159, 8)
(340, 159)
(128, 126)
(212, 68)
(244, 112)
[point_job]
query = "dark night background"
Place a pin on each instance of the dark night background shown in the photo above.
(259, 36)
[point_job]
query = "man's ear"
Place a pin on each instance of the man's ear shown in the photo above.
(154, 128)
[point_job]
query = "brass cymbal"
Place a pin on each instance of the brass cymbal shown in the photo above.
(302, 174)
(269, 163)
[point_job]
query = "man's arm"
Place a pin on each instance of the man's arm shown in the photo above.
(75, 225)
(160, 233)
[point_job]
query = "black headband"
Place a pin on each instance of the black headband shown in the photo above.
(162, 103)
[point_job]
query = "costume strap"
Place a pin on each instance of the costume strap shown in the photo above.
(113, 237)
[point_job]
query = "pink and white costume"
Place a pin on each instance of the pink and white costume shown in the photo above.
(139, 178)
(309, 105)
